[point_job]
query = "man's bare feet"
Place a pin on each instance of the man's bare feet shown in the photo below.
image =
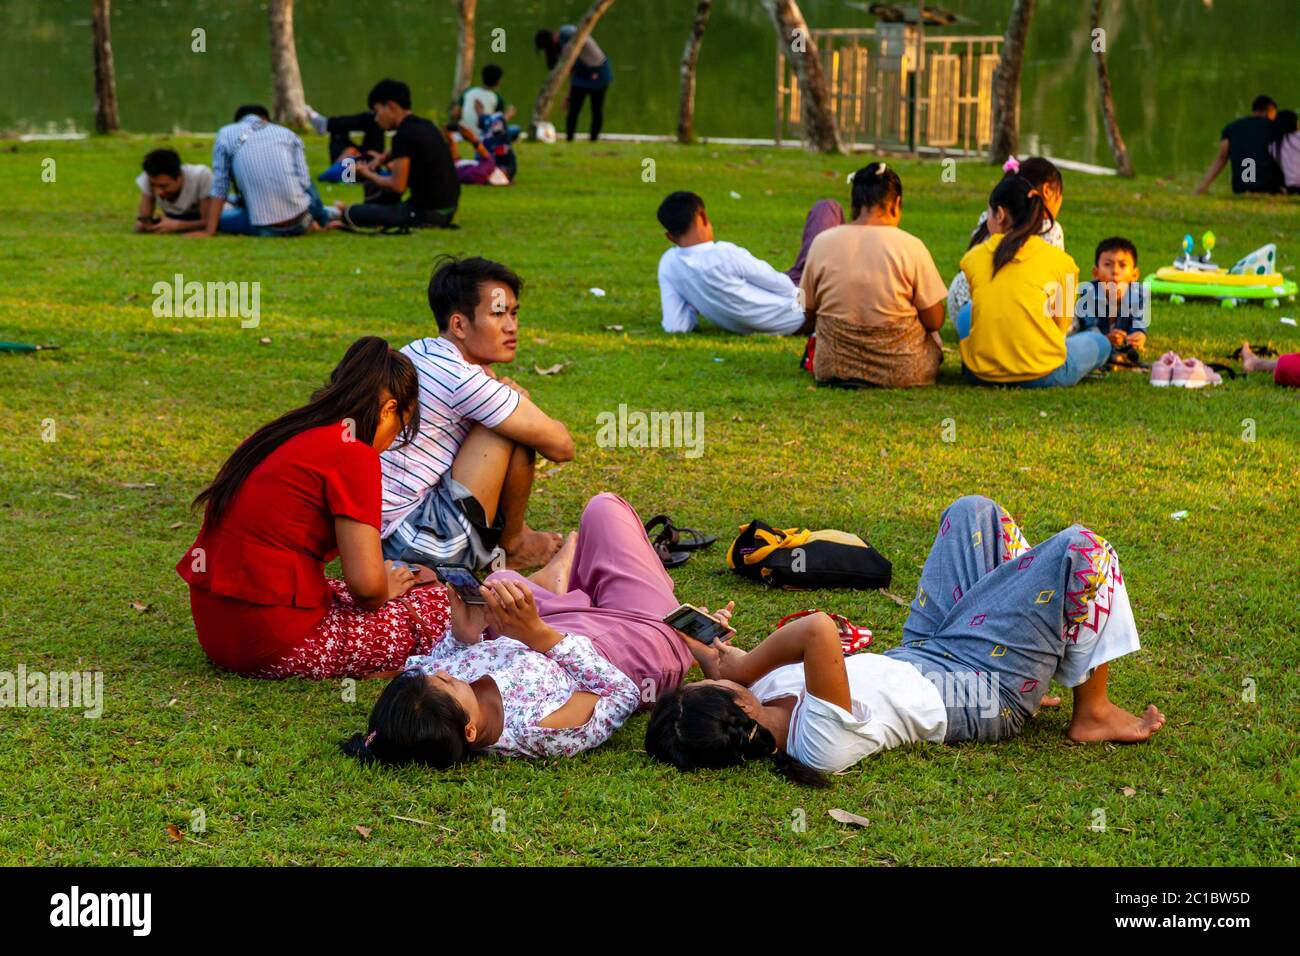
(1114, 724)
(555, 576)
(531, 549)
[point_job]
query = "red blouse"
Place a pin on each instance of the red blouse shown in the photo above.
(257, 578)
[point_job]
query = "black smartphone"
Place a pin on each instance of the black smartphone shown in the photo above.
(463, 579)
(696, 624)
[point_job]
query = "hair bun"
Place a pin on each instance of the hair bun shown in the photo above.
(1012, 165)
(870, 171)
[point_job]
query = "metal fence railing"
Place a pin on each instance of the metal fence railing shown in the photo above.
(895, 89)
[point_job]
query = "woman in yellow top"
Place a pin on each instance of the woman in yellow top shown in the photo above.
(1022, 301)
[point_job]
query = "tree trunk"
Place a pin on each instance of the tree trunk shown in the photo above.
(546, 97)
(819, 129)
(1006, 84)
(290, 104)
(105, 77)
(1122, 164)
(464, 48)
(686, 117)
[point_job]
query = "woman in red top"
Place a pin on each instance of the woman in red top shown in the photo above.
(299, 492)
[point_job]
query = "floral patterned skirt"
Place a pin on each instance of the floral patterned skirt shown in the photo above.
(354, 642)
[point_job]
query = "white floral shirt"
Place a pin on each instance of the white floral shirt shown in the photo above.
(534, 685)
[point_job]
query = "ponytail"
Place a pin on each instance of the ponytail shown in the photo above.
(692, 728)
(1023, 202)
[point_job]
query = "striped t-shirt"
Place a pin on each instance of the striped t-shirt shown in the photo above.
(453, 396)
(268, 164)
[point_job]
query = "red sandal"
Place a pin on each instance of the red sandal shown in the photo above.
(852, 637)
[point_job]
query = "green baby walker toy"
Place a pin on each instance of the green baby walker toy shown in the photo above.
(1253, 279)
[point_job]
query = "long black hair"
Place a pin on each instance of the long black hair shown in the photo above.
(874, 185)
(1042, 173)
(412, 722)
(370, 369)
(1283, 125)
(1023, 202)
(694, 727)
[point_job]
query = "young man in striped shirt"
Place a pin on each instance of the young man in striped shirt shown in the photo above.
(457, 493)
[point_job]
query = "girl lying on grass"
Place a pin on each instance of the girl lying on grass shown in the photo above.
(992, 623)
(550, 665)
(298, 492)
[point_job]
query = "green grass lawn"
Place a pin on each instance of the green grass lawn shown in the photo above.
(139, 400)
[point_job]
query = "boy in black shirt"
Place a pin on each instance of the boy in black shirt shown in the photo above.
(419, 159)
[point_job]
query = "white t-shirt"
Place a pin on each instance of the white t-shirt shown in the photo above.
(729, 286)
(454, 394)
(893, 704)
(195, 185)
(490, 100)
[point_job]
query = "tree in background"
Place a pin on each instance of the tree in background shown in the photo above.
(289, 105)
(686, 115)
(464, 78)
(1122, 163)
(1006, 84)
(550, 88)
(105, 77)
(819, 129)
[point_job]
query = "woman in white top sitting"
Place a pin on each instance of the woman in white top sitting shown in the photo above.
(993, 622)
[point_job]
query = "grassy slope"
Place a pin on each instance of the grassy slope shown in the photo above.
(141, 399)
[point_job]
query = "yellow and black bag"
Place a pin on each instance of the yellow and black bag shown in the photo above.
(803, 559)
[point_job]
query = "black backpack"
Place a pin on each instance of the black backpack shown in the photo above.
(802, 559)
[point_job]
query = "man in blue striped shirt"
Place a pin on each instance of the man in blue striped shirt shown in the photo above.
(457, 493)
(268, 164)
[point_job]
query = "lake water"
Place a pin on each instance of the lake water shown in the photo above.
(1180, 68)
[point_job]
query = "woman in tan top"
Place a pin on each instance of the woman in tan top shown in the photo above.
(874, 293)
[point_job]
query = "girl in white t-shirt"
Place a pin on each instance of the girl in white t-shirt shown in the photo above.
(993, 623)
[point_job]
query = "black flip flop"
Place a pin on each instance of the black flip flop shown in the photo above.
(687, 539)
(670, 558)
(1261, 351)
(1127, 358)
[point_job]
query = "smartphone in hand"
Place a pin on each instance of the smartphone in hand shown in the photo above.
(463, 580)
(696, 624)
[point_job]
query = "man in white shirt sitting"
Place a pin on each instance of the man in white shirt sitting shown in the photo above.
(458, 492)
(179, 190)
(725, 283)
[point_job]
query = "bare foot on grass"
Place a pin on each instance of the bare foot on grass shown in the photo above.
(1250, 362)
(532, 548)
(1111, 723)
